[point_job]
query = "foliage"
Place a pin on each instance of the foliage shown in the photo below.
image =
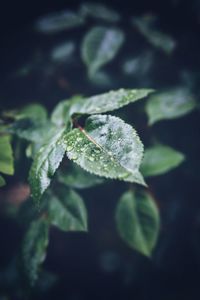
(78, 145)
(105, 146)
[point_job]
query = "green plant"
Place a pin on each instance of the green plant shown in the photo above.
(80, 144)
(100, 144)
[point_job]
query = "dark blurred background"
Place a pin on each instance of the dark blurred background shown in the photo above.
(98, 265)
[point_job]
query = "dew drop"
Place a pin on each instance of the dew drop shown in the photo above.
(97, 151)
(91, 158)
(74, 157)
(79, 139)
(69, 148)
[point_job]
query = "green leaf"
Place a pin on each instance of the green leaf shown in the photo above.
(137, 220)
(169, 105)
(34, 248)
(33, 111)
(63, 52)
(139, 66)
(67, 211)
(32, 130)
(76, 177)
(101, 79)
(2, 181)
(108, 101)
(46, 163)
(99, 11)
(158, 39)
(106, 147)
(61, 113)
(6, 156)
(100, 46)
(57, 22)
(160, 159)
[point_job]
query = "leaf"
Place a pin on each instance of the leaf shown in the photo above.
(6, 156)
(100, 46)
(137, 220)
(32, 130)
(160, 159)
(34, 248)
(2, 181)
(67, 211)
(63, 52)
(101, 79)
(46, 281)
(140, 65)
(158, 39)
(61, 113)
(33, 111)
(169, 105)
(76, 177)
(56, 22)
(46, 163)
(108, 101)
(99, 11)
(106, 147)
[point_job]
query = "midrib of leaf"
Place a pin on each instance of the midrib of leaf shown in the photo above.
(89, 137)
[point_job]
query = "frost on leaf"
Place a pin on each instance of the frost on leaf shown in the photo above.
(107, 147)
(108, 101)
